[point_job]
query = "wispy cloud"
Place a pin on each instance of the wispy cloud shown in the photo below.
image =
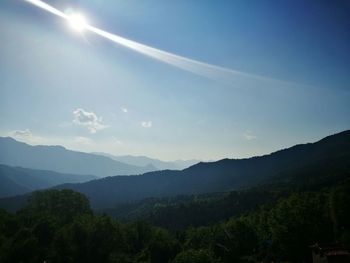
(25, 136)
(88, 120)
(79, 143)
(125, 110)
(146, 124)
(248, 135)
(21, 133)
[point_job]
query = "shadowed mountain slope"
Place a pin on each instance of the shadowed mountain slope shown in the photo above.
(329, 155)
(17, 180)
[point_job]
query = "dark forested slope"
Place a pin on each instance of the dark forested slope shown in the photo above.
(330, 155)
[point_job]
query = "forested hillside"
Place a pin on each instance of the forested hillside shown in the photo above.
(279, 218)
(325, 158)
(179, 212)
(59, 226)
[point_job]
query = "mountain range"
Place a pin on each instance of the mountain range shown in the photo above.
(62, 160)
(329, 157)
(144, 160)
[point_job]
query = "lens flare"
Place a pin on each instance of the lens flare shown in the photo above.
(77, 22)
(221, 74)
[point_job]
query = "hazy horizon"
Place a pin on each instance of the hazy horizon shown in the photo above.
(157, 158)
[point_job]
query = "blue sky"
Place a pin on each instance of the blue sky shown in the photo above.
(87, 93)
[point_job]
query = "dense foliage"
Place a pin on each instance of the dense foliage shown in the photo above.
(180, 212)
(59, 226)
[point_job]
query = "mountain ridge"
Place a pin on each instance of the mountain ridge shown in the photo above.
(141, 160)
(331, 152)
(18, 180)
(62, 160)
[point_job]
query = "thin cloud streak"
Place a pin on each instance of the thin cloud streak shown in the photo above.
(221, 74)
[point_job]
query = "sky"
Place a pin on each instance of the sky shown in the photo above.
(290, 82)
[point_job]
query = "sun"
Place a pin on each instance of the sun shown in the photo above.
(77, 22)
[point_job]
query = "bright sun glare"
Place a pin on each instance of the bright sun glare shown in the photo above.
(77, 22)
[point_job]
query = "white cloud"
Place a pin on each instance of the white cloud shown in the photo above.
(146, 124)
(21, 133)
(88, 120)
(248, 135)
(26, 136)
(125, 110)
